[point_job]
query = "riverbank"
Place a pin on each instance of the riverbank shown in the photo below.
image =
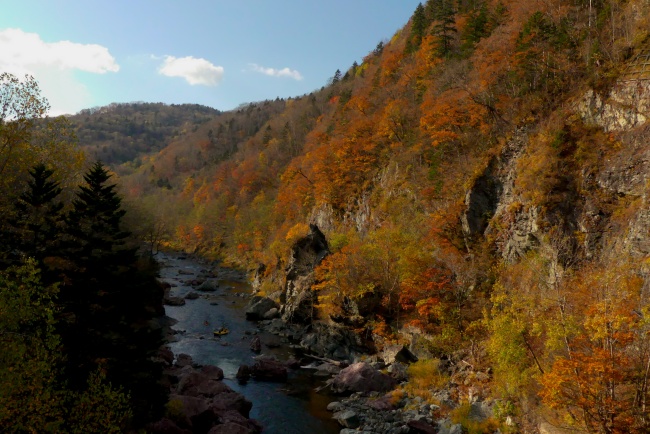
(207, 298)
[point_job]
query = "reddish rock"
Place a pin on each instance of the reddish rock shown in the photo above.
(184, 360)
(243, 373)
(231, 401)
(382, 404)
(269, 369)
(231, 428)
(166, 426)
(421, 427)
(212, 372)
(361, 377)
(256, 344)
(166, 355)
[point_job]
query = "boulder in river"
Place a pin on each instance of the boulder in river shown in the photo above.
(258, 306)
(361, 377)
(209, 285)
(269, 369)
(184, 360)
(191, 295)
(243, 373)
(173, 301)
(256, 344)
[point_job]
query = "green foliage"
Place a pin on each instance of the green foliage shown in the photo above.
(444, 27)
(33, 394)
(30, 399)
(119, 133)
(100, 408)
(471, 425)
(38, 221)
(425, 379)
(419, 24)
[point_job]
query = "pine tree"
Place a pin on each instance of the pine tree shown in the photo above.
(419, 24)
(445, 26)
(108, 298)
(39, 216)
(96, 217)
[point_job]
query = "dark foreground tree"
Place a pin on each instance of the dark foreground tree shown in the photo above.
(108, 298)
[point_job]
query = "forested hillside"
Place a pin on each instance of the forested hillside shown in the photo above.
(121, 133)
(481, 181)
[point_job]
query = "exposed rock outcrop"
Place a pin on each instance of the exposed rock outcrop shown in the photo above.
(298, 298)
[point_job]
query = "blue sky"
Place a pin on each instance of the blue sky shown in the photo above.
(219, 53)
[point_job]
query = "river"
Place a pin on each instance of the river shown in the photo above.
(288, 408)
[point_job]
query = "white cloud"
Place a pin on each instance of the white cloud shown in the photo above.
(22, 51)
(284, 72)
(193, 70)
(53, 65)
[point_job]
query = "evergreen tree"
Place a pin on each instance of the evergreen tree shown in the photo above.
(39, 216)
(419, 24)
(109, 298)
(445, 27)
(476, 28)
(337, 76)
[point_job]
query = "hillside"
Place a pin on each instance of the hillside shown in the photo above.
(480, 180)
(125, 132)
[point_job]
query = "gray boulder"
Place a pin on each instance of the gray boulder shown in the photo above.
(258, 306)
(347, 418)
(209, 285)
(173, 301)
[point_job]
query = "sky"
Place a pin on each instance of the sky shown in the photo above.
(218, 53)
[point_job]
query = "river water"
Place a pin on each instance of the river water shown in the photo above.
(284, 408)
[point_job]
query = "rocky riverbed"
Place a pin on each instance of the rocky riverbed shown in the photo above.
(288, 377)
(202, 298)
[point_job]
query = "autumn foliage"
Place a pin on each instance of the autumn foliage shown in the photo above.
(383, 158)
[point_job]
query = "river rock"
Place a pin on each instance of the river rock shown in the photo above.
(209, 285)
(173, 301)
(191, 296)
(421, 427)
(231, 401)
(243, 373)
(361, 377)
(231, 428)
(271, 313)
(258, 306)
(166, 356)
(347, 418)
(184, 360)
(269, 369)
(256, 344)
(166, 426)
(212, 372)
(398, 371)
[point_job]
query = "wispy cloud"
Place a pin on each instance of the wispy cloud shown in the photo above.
(23, 51)
(193, 70)
(53, 64)
(284, 72)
